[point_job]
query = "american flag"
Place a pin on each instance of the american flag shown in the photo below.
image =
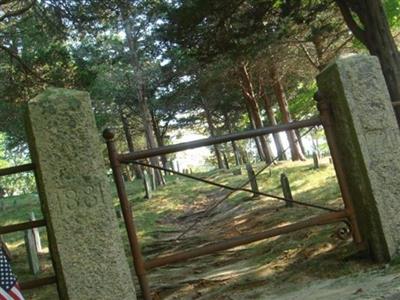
(9, 289)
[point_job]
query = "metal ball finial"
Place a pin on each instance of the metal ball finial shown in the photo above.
(108, 134)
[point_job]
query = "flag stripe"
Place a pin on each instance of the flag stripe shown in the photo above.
(1, 296)
(17, 289)
(15, 294)
(5, 295)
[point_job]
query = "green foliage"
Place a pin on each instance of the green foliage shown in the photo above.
(392, 8)
(302, 105)
(18, 183)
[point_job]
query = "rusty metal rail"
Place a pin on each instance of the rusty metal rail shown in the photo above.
(22, 226)
(128, 216)
(324, 108)
(328, 218)
(129, 157)
(17, 169)
(33, 284)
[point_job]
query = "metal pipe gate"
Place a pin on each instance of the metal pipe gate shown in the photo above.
(141, 266)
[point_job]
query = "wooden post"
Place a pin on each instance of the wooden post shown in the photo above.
(252, 178)
(287, 192)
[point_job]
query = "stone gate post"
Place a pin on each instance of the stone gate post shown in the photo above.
(84, 238)
(368, 140)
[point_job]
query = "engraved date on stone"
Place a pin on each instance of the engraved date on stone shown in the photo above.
(82, 197)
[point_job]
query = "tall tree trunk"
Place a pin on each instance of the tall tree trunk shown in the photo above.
(244, 156)
(300, 140)
(140, 90)
(159, 138)
(233, 143)
(225, 160)
(249, 95)
(272, 121)
(373, 30)
(295, 148)
(317, 40)
(236, 153)
(256, 140)
(129, 141)
(211, 129)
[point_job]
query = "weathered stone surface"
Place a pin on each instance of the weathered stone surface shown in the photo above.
(36, 234)
(369, 140)
(286, 190)
(252, 179)
(85, 242)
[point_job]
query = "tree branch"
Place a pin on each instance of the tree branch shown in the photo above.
(18, 11)
(358, 32)
(340, 47)
(308, 56)
(24, 66)
(2, 2)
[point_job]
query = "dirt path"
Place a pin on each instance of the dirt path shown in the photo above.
(310, 264)
(365, 286)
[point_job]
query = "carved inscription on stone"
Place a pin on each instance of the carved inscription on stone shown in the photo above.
(84, 198)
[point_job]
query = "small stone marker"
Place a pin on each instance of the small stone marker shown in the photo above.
(315, 160)
(226, 162)
(287, 192)
(147, 184)
(152, 176)
(33, 257)
(368, 139)
(84, 238)
(36, 234)
(252, 178)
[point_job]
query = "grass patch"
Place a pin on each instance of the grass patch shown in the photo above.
(294, 256)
